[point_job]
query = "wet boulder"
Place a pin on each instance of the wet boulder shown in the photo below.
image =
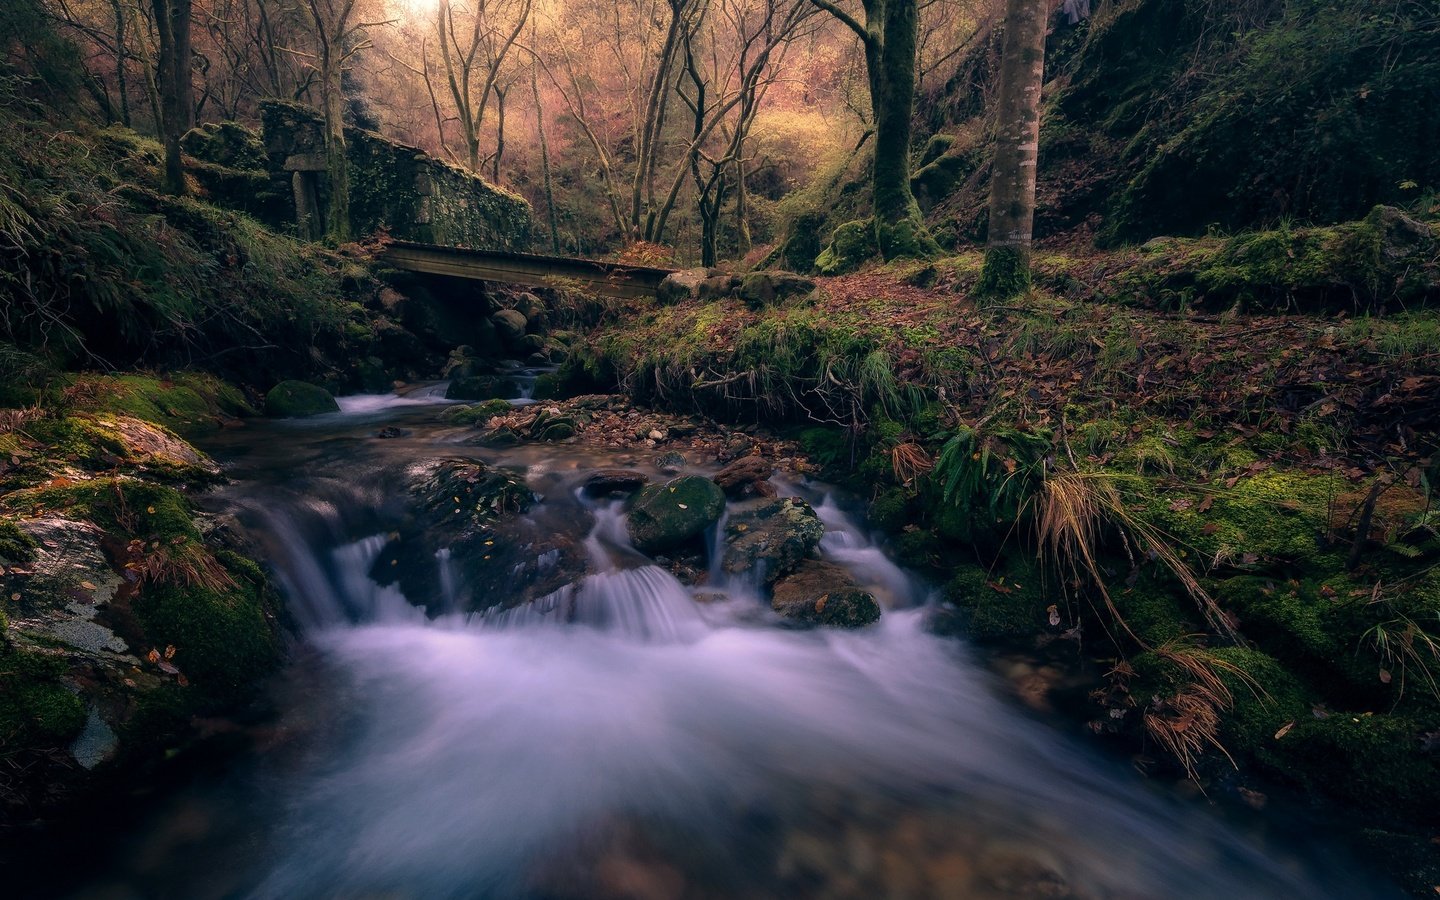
(822, 593)
(746, 477)
(510, 325)
(681, 286)
(762, 289)
(607, 482)
(552, 425)
(476, 414)
(773, 538)
(297, 399)
(471, 538)
(668, 515)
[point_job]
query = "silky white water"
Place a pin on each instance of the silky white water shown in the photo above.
(621, 738)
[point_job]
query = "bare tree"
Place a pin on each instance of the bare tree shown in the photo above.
(1017, 144)
(474, 44)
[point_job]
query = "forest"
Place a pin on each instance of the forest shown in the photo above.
(720, 448)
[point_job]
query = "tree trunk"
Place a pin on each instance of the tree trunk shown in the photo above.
(177, 111)
(120, 86)
(1017, 144)
(337, 166)
(499, 133)
(890, 36)
(544, 157)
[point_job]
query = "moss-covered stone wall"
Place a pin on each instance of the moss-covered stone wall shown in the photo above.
(399, 188)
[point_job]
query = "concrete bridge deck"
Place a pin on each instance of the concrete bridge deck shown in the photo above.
(605, 279)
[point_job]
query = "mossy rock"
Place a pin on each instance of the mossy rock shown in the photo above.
(37, 710)
(1155, 607)
(15, 545)
(1267, 698)
(188, 404)
(1004, 603)
(892, 510)
(851, 245)
(1376, 762)
(125, 507)
(224, 641)
(822, 593)
(298, 399)
(477, 414)
(772, 536)
(548, 386)
(665, 516)
(464, 492)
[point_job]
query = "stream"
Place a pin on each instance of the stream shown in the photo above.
(629, 736)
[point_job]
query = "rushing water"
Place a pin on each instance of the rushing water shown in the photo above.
(619, 738)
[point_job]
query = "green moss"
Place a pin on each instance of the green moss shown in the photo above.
(477, 414)
(186, 404)
(125, 507)
(1006, 602)
(1006, 274)
(223, 641)
(1155, 607)
(36, 709)
(298, 399)
(852, 244)
(547, 386)
(15, 545)
(892, 510)
(1272, 515)
(1373, 761)
(1267, 697)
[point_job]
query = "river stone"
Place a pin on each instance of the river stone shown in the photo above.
(531, 343)
(680, 286)
(296, 399)
(552, 425)
(604, 482)
(510, 325)
(478, 414)
(773, 537)
(529, 306)
(482, 387)
(667, 515)
(761, 289)
(823, 593)
(746, 477)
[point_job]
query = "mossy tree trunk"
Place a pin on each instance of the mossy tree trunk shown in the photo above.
(1017, 144)
(890, 36)
(172, 76)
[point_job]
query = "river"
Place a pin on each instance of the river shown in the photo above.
(650, 744)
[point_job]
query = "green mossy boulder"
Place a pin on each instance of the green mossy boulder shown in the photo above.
(665, 516)
(1375, 761)
(821, 593)
(477, 414)
(772, 537)
(298, 399)
(851, 245)
(1007, 602)
(224, 641)
(37, 710)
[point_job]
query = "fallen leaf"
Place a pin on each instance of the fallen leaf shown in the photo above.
(153, 656)
(1384, 676)
(1054, 612)
(88, 586)
(1284, 730)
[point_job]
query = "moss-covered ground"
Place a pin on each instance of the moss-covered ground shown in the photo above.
(1192, 451)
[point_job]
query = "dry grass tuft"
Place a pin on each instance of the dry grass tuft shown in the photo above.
(910, 461)
(178, 562)
(1187, 723)
(1072, 511)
